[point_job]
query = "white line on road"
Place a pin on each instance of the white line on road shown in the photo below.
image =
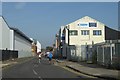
(40, 78)
(37, 74)
(34, 72)
(35, 66)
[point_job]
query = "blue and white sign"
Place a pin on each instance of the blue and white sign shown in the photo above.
(87, 24)
(83, 24)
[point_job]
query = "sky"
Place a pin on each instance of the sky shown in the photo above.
(42, 20)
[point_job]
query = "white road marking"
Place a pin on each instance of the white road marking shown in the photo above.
(40, 78)
(34, 72)
(35, 66)
(37, 74)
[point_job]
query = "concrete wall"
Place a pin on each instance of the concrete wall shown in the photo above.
(23, 46)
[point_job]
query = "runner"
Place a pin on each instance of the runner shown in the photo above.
(50, 55)
(40, 55)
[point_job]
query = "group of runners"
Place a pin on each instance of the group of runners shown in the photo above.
(47, 54)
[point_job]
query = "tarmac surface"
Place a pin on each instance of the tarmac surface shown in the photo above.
(31, 69)
(84, 68)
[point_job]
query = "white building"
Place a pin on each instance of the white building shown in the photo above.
(83, 32)
(14, 39)
(21, 43)
(38, 47)
(4, 34)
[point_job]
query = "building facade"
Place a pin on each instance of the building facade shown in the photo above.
(21, 43)
(82, 33)
(14, 39)
(4, 35)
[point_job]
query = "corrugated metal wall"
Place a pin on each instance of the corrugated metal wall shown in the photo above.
(23, 46)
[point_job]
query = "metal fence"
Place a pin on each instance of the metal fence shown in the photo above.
(108, 54)
(77, 53)
(8, 54)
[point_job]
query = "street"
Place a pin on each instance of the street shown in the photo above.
(33, 69)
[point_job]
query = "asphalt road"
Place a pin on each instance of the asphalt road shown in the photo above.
(32, 69)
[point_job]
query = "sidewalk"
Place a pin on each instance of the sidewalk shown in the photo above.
(92, 70)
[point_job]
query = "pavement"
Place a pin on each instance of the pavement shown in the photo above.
(92, 69)
(87, 69)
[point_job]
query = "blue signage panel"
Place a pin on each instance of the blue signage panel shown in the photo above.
(83, 24)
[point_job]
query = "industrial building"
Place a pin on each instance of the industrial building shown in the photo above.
(21, 43)
(36, 47)
(78, 35)
(13, 39)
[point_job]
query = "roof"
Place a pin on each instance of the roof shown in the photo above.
(86, 17)
(21, 34)
(17, 30)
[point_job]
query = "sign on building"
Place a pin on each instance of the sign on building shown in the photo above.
(87, 24)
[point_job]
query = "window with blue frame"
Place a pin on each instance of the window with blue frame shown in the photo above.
(97, 32)
(92, 24)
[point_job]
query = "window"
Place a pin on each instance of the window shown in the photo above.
(84, 32)
(92, 24)
(97, 32)
(63, 37)
(73, 32)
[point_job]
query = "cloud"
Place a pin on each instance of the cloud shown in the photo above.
(20, 5)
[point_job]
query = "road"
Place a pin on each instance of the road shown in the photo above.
(32, 69)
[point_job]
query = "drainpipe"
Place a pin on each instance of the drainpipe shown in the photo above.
(67, 27)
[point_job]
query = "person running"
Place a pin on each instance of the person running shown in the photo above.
(50, 55)
(40, 55)
(47, 53)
